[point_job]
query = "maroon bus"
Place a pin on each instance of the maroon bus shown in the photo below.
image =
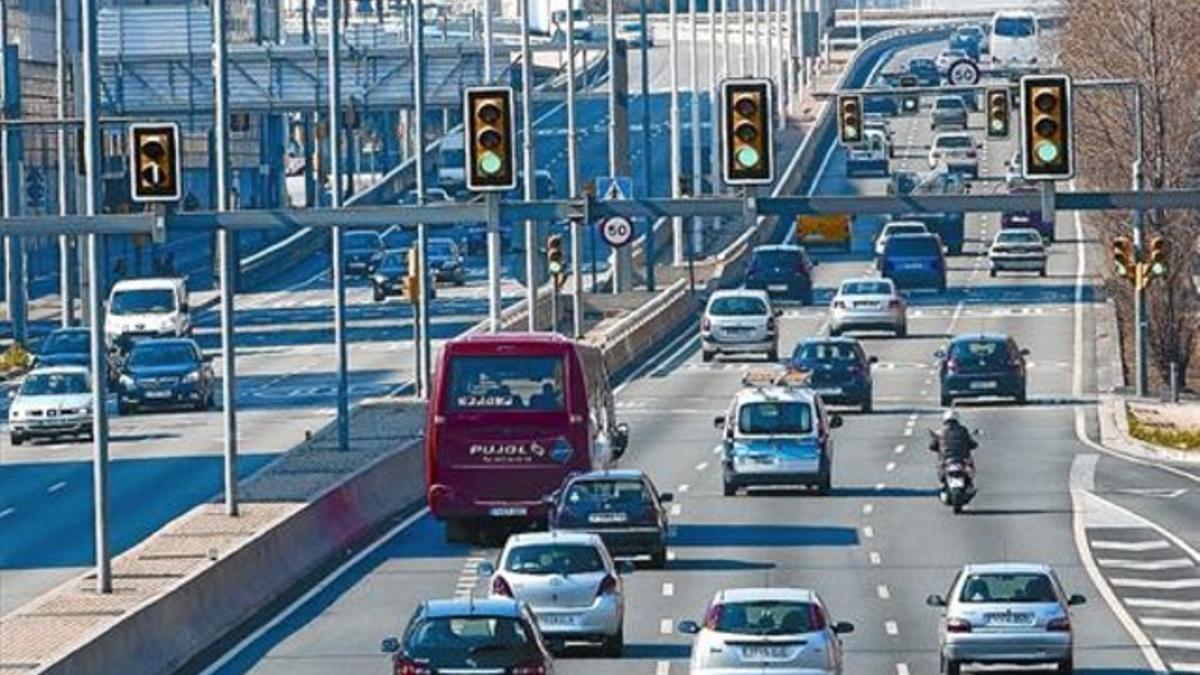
(510, 417)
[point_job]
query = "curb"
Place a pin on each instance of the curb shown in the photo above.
(1114, 433)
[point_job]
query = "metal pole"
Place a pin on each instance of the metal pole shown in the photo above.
(66, 290)
(647, 183)
(742, 27)
(772, 68)
(713, 132)
(858, 21)
(756, 45)
(14, 248)
(1141, 316)
(333, 61)
(422, 313)
(792, 87)
(724, 38)
(531, 282)
(487, 41)
(697, 150)
(91, 160)
(494, 261)
(676, 136)
(225, 246)
(573, 185)
(622, 260)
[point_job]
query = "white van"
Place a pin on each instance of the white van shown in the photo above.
(156, 307)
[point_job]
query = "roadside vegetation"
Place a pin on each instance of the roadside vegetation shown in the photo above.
(1150, 426)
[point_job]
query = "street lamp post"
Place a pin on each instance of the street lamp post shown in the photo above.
(676, 137)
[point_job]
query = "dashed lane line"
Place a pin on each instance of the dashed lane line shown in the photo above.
(883, 592)
(702, 466)
(868, 509)
(664, 626)
(662, 668)
(668, 589)
(676, 509)
(875, 558)
(891, 628)
(868, 532)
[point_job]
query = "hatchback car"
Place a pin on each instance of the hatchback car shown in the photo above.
(766, 630)
(1006, 613)
(1017, 249)
(926, 71)
(496, 635)
(957, 152)
(868, 303)
(569, 581)
(982, 364)
(838, 369)
(445, 261)
(894, 228)
(948, 112)
(360, 251)
(915, 261)
(65, 347)
(165, 372)
(783, 271)
(622, 506)
(739, 322)
(1032, 218)
(51, 402)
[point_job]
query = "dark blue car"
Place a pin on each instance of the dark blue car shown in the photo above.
(926, 71)
(165, 372)
(838, 369)
(915, 261)
(982, 364)
(782, 270)
(64, 347)
(621, 506)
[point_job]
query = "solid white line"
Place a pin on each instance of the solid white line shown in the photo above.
(56, 487)
(664, 626)
(1161, 622)
(314, 591)
(1150, 545)
(1148, 565)
(883, 592)
(902, 669)
(1164, 584)
(668, 589)
(1184, 667)
(1155, 603)
(891, 628)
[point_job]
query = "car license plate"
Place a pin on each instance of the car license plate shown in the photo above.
(557, 619)
(912, 266)
(777, 288)
(955, 482)
(608, 517)
(1008, 618)
(983, 384)
(763, 652)
(763, 459)
(508, 511)
(158, 394)
(830, 391)
(866, 305)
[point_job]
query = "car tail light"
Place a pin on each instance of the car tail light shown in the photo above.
(971, 154)
(770, 324)
(816, 618)
(1060, 625)
(958, 626)
(839, 304)
(608, 586)
(713, 617)
(893, 304)
(537, 667)
(501, 587)
(706, 325)
(404, 666)
(952, 366)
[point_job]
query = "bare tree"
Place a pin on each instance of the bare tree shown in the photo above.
(1153, 43)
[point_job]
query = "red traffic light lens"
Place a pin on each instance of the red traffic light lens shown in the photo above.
(745, 106)
(489, 113)
(1045, 101)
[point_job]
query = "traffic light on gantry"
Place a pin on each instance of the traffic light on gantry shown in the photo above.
(998, 113)
(490, 139)
(748, 148)
(1157, 257)
(1046, 130)
(555, 263)
(850, 119)
(154, 152)
(1122, 257)
(910, 102)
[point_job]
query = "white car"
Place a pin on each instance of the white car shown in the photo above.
(569, 581)
(739, 322)
(1018, 249)
(957, 152)
(869, 303)
(51, 402)
(151, 307)
(870, 156)
(760, 630)
(897, 227)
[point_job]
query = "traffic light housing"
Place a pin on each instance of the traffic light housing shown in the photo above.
(490, 129)
(999, 112)
(850, 119)
(411, 284)
(154, 153)
(1046, 130)
(1157, 258)
(555, 263)
(748, 150)
(910, 102)
(1122, 257)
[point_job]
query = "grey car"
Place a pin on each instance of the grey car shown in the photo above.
(739, 322)
(1006, 613)
(868, 303)
(949, 112)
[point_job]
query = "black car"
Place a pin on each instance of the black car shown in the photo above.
(982, 364)
(65, 347)
(165, 372)
(361, 250)
(838, 369)
(472, 635)
(622, 506)
(445, 261)
(387, 279)
(783, 271)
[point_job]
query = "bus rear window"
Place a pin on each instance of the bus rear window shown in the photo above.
(507, 383)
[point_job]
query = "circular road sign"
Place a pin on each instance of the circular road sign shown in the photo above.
(617, 231)
(963, 72)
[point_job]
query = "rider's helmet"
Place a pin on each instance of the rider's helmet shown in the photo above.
(950, 414)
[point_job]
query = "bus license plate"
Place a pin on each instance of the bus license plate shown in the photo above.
(508, 511)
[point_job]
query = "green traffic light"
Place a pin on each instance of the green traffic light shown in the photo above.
(1046, 152)
(490, 164)
(747, 157)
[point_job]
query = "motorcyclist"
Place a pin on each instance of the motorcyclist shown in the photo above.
(952, 441)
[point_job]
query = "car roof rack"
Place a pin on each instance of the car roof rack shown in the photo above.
(774, 377)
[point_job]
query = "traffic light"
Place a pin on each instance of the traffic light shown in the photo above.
(1122, 254)
(1158, 256)
(154, 151)
(1046, 127)
(909, 102)
(554, 256)
(850, 119)
(748, 150)
(998, 113)
(490, 130)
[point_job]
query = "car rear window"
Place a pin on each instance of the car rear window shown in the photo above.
(607, 492)
(443, 638)
(360, 241)
(1020, 237)
(506, 383)
(866, 288)
(893, 230)
(738, 305)
(912, 246)
(986, 350)
(767, 617)
(554, 559)
(826, 351)
(1007, 588)
(954, 142)
(775, 417)
(774, 258)
(947, 103)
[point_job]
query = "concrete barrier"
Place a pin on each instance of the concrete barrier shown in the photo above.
(646, 327)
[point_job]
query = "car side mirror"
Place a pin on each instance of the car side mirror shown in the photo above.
(843, 627)
(1076, 599)
(626, 567)
(935, 601)
(185, 308)
(666, 498)
(835, 421)
(719, 422)
(873, 359)
(485, 569)
(941, 354)
(688, 627)
(1024, 352)
(777, 312)
(390, 645)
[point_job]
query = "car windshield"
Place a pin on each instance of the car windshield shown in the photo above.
(142, 301)
(914, 228)
(738, 305)
(775, 417)
(399, 238)
(632, 27)
(66, 342)
(507, 383)
(950, 103)
(1017, 237)
(360, 241)
(54, 384)
(621, 492)
(440, 248)
(554, 559)
(869, 287)
(981, 350)
(914, 246)
(162, 355)
(450, 641)
(1008, 588)
(1013, 27)
(765, 617)
(954, 142)
(825, 352)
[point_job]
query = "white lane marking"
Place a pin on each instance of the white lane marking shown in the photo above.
(668, 589)
(1173, 605)
(868, 509)
(662, 668)
(1185, 667)
(868, 532)
(899, 449)
(314, 591)
(890, 466)
(7, 512)
(908, 431)
(1157, 584)
(683, 489)
(879, 487)
(676, 509)
(902, 669)
(913, 418)
(875, 558)
(891, 628)
(671, 555)
(56, 487)
(958, 309)
(1150, 545)
(1189, 645)
(883, 592)
(1147, 565)
(687, 337)
(664, 626)
(717, 449)
(702, 466)
(1167, 622)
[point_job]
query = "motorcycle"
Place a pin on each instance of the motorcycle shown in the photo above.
(958, 484)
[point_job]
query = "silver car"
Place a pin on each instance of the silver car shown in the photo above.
(869, 303)
(1018, 249)
(957, 152)
(51, 402)
(569, 581)
(739, 322)
(948, 112)
(1006, 613)
(786, 631)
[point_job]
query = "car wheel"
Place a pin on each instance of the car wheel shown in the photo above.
(614, 645)
(947, 400)
(1042, 272)
(1021, 396)
(460, 281)
(992, 273)
(773, 355)
(89, 436)
(126, 407)
(942, 287)
(834, 332)
(1067, 665)
(202, 404)
(808, 298)
(730, 489)
(378, 294)
(951, 667)
(17, 439)
(658, 559)
(825, 481)
(868, 406)
(902, 331)
(706, 356)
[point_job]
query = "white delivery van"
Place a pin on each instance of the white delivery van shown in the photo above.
(156, 307)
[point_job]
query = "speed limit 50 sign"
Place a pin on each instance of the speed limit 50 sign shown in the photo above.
(617, 231)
